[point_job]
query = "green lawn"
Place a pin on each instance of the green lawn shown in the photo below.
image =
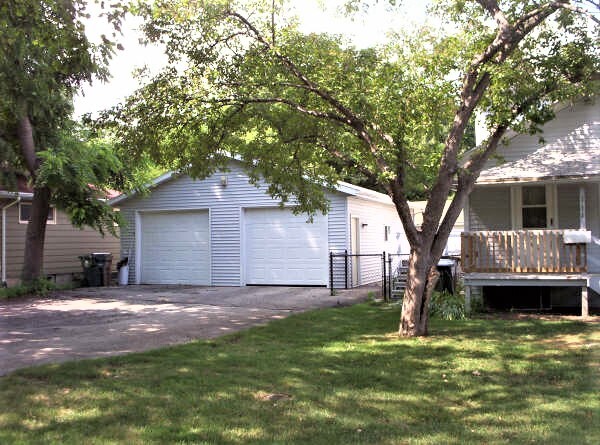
(349, 378)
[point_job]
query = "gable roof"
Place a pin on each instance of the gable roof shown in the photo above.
(571, 149)
(342, 187)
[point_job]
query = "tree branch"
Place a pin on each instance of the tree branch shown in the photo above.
(510, 35)
(325, 95)
(352, 119)
(25, 133)
(475, 84)
(466, 182)
(584, 11)
(402, 207)
(348, 161)
(281, 100)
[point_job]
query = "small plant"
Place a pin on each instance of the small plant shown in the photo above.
(447, 306)
(39, 287)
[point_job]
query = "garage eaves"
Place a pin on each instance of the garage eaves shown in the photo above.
(341, 187)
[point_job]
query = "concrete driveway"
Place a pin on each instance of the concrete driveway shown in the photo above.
(98, 322)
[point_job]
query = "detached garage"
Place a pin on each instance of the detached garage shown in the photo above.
(224, 231)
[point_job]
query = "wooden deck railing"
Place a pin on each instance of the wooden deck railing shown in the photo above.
(521, 251)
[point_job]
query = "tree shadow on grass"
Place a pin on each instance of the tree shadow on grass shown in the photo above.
(347, 378)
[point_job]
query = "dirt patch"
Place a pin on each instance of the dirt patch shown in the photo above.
(272, 397)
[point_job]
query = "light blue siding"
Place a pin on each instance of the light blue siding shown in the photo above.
(225, 204)
(489, 208)
(568, 206)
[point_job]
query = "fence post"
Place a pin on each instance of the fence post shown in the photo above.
(346, 268)
(390, 275)
(331, 273)
(384, 281)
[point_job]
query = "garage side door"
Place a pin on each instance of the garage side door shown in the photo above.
(175, 248)
(282, 248)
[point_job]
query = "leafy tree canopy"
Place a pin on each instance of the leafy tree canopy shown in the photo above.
(305, 110)
(229, 92)
(45, 57)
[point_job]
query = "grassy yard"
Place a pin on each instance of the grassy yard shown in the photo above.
(337, 376)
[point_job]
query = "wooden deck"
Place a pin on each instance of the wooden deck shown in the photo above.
(521, 251)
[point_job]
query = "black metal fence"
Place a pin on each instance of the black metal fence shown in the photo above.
(347, 271)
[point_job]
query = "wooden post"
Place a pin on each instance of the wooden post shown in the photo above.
(584, 302)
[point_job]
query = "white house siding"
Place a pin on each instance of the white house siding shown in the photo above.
(338, 222)
(373, 217)
(568, 206)
(489, 208)
(226, 204)
(339, 235)
(569, 147)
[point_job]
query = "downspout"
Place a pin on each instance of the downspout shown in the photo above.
(4, 238)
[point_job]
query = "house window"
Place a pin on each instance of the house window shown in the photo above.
(25, 213)
(534, 206)
(387, 230)
(534, 209)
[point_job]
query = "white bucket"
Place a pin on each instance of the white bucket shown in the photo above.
(124, 275)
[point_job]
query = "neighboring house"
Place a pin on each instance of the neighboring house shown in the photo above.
(454, 240)
(224, 231)
(64, 243)
(533, 222)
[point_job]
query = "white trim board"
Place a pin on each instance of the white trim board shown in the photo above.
(478, 279)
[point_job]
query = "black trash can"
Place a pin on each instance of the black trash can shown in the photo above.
(92, 274)
(447, 269)
(104, 261)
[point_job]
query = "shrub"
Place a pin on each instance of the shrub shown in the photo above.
(447, 306)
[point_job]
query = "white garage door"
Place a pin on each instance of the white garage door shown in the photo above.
(282, 248)
(175, 248)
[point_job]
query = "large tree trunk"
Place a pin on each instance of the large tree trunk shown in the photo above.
(35, 236)
(33, 257)
(422, 278)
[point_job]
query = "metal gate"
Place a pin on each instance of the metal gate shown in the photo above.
(347, 271)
